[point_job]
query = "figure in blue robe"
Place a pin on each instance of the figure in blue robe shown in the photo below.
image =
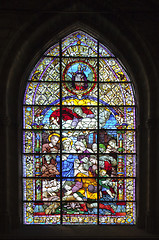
(67, 166)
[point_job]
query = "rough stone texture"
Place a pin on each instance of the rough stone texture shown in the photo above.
(131, 29)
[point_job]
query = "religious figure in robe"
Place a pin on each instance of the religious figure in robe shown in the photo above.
(79, 79)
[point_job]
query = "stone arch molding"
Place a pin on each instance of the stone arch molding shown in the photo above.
(20, 67)
(49, 34)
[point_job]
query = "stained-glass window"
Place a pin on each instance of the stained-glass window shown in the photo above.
(79, 137)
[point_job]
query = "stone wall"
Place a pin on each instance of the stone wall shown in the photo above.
(128, 27)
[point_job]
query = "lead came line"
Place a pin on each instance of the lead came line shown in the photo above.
(97, 130)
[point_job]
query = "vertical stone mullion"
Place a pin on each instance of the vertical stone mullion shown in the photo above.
(152, 186)
(4, 190)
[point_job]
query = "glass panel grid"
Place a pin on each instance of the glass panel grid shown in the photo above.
(79, 148)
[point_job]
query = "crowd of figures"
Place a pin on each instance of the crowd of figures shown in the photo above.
(79, 127)
(84, 179)
(79, 117)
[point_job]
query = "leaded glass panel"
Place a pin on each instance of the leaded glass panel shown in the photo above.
(79, 137)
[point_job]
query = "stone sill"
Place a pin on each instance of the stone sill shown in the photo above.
(78, 232)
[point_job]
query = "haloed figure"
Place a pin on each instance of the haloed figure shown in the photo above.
(67, 159)
(53, 145)
(67, 145)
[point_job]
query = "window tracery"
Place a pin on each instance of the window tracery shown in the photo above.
(79, 137)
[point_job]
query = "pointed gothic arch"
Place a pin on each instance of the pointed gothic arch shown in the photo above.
(79, 136)
(20, 63)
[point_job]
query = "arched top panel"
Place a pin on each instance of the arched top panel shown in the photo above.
(79, 136)
(79, 44)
